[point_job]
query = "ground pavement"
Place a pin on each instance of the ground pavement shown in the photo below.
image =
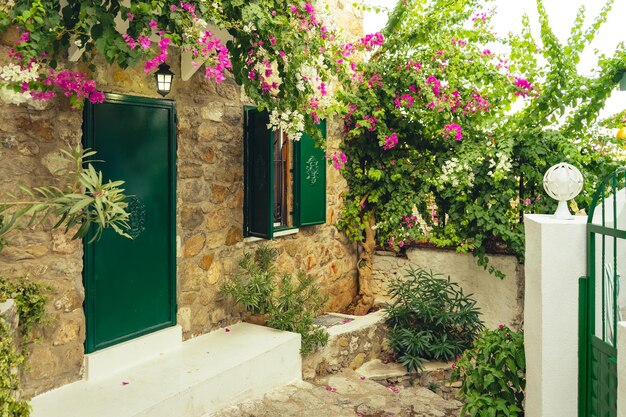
(346, 395)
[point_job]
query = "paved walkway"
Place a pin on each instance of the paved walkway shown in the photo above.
(346, 395)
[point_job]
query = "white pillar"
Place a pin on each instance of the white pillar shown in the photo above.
(555, 260)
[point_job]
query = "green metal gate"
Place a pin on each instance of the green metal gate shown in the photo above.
(600, 309)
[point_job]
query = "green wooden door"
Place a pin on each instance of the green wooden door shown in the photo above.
(130, 284)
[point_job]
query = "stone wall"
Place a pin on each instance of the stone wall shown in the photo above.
(500, 301)
(209, 211)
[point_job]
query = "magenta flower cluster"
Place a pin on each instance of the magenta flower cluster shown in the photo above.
(372, 40)
(391, 141)
(406, 100)
(524, 87)
(73, 84)
(453, 130)
(153, 63)
(338, 159)
(142, 41)
(212, 47)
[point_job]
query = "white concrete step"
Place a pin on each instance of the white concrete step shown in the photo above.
(123, 356)
(206, 374)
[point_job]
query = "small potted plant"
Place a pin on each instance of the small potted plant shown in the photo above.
(282, 302)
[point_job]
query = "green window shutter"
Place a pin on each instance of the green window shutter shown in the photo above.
(259, 174)
(311, 181)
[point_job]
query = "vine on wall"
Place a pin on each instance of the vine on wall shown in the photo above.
(30, 300)
(285, 53)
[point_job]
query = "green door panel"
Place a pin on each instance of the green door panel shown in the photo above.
(599, 302)
(311, 181)
(130, 284)
(602, 400)
(259, 198)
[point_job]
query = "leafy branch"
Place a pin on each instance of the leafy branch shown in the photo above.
(82, 199)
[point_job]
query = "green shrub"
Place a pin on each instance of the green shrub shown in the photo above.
(493, 374)
(10, 360)
(291, 304)
(253, 286)
(430, 318)
(30, 302)
(29, 298)
(293, 308)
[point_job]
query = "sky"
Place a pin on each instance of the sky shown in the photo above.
(562, 14)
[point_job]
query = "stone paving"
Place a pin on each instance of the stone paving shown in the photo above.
(346, 394)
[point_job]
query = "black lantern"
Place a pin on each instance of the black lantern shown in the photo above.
(164, 79)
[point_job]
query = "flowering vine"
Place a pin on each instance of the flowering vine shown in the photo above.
(285, 53)
(446, 141)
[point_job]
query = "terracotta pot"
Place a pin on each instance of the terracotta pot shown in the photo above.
(258, 319)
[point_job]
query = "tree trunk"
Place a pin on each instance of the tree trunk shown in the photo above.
(364, 267)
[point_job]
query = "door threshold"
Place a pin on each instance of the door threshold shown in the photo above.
(114, 359)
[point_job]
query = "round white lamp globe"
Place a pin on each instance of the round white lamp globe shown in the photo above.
(563, 182)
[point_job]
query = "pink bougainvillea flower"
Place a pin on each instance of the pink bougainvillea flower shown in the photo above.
(227, 329)
(524, 87)
(393, 389)
(125, 382)
(330, 389)
(362, 378)
(500, 326)
(129, 41)
(338, 159)
(453, 365)
(25, 37)
(372, 40)
(391, 141)
(97, 97)
(453, 130)
(144, 42)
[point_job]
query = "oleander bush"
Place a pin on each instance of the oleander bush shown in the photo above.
(430, 318)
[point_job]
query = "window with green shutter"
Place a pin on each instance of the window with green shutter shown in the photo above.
(285, 183)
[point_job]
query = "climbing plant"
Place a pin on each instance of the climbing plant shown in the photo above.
(10, 360)
(284, 52)
(30, 300)
(450, 128)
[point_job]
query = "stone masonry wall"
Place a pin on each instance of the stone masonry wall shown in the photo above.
(500, 301)
(209, 211)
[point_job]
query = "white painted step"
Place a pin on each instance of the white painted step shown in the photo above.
(206, 374)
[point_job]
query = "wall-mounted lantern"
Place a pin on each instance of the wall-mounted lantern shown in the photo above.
(164, 79)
